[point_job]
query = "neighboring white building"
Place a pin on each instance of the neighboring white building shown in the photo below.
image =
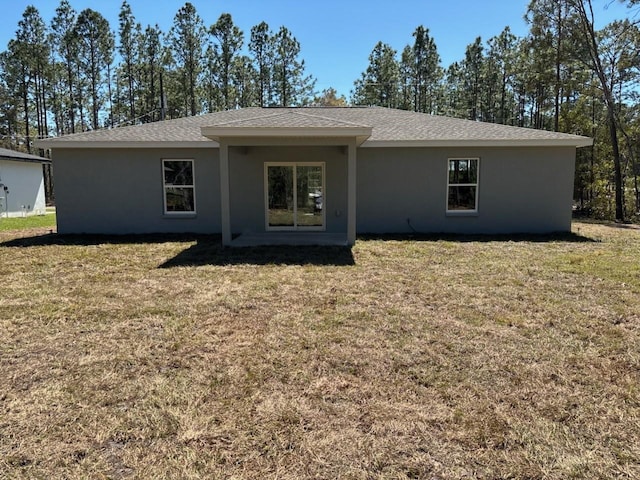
(21, 184)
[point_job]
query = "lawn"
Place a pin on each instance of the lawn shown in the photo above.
(32, 221)
(434, 358)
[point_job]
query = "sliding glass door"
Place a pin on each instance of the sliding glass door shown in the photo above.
(294, 196)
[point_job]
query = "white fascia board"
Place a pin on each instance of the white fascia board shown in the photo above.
(53, 144)
(555, 142)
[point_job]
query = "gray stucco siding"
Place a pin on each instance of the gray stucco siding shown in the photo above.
(247, 184)
(520, 190)
(120, 191)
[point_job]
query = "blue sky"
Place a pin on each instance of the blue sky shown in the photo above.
(336, 36)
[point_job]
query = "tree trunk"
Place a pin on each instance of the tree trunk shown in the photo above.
(72, 106)
(503, 99)
(48, 182)
(587, 23)
(45, 122)
(80, 100)
(38, 99)
(25, 104)
(152, 93)
(556, 115)
(94, 89)
(110, 95)
(132, 101)
(636, 185)
(192, 86)
(617, 167)
(163, 110)
(284, 85)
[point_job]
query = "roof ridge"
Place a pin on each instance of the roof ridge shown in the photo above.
(260, 117)
(346, 122)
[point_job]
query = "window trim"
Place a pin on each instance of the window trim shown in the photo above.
(192, 186)
(476, 185)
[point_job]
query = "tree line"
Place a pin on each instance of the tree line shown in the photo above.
(564, 75)
(76, 74)
(62, 77)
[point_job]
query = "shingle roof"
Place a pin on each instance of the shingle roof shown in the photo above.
(388, 127)
(287, 118)
(6, 154)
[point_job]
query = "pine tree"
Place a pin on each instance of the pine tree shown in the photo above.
(185, 40)
(32, 51)
(15, 75)
(261, 46)
(427, 73)
(229, 42)
(65, 44)
(211, 79)
(243, 79)
(130, 37)
(96, 56)
(291, 86)
(472, 68)
(378, 84)
(501, 57)
(586, 22)
(150, 58)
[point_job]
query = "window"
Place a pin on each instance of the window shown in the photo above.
(179, 186)
(462, 188)
(294, 196)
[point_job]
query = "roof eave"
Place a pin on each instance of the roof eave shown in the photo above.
(24, 160)
(63, 144)
(361, 136)
(576, 142)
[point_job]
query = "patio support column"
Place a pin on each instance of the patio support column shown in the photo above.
(351, 193)
(225, 209)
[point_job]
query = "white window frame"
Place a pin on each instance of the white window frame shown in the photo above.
(476, 185)
(295, 227)
(165, 186)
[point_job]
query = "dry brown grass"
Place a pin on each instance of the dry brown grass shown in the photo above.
(436, 359)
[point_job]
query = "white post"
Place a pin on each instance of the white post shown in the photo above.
(225, 212)
(351, 193)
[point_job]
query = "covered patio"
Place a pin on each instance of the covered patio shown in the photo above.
(286, 130)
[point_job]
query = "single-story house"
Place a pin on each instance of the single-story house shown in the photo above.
(315, 173)
(21, 184)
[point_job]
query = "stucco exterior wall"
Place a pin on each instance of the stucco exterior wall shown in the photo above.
(247, 185)
(521, 190)
(119, 191)
(26, 188)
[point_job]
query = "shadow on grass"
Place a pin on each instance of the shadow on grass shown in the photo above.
(211, 242)
(569, 237)
(205, 252)
(207, 249)
(91, 239)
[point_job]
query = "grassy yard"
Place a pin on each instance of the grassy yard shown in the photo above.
(434, 358)
(33, 221)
